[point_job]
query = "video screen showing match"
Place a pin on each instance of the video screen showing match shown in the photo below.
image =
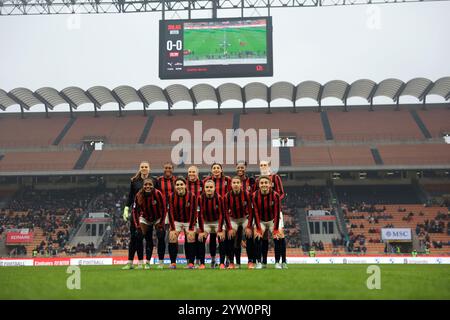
(225, 42)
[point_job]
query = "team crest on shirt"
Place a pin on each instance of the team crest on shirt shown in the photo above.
(188, 204)
(154, 202)
(245, 203)
(272, 203)
(249, 188)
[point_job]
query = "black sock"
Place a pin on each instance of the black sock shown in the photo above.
(250, 248)
(161, 235)
(257, 250)
(230, 249)
(212, 244)
(265, 250)
(283, 250)
(140, 246)
(196, 251)
(277, 245)
(237, 254)
(201, 251)
(222, 250)
(173, 251)
(187, 252)
(149, 243)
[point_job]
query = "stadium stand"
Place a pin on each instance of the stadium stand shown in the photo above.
(114, 129)
(164, 125)
(39, 161)
(332, 156)
(305, 125)
(381, 124)
(436, 120)
(422, 154)
(34, 131)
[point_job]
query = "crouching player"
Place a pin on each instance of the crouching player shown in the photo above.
(210, 221)
(266, 205)
(149, 210)
(238, 205)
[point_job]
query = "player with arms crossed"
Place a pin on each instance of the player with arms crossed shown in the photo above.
(210, 221)
(182, 217)
(149, 210)
(277, 186)
(266, 206)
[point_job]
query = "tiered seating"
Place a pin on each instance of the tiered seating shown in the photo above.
(331, 155)
(436, 120)
(30, 132)
(423, 154)
(429, 213)
(127, 159)
(164, 125)
(383, 124)
(437, 189)
(378, 194)
(39, 161)
(306, 125)
(116, 130)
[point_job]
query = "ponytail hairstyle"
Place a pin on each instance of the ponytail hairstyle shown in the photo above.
(138, 173)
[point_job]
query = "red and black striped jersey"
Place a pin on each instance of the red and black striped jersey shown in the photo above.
(211, 210)
(195, 187)
(266, 208)
(182, 209)
(223, 184)
(277, 184)
(248, 184)
(166, 186)
(151, 206)
(238, 205)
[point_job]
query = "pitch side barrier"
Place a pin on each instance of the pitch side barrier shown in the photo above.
(120, 260)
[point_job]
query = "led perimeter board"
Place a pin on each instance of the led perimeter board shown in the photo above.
(215, 48)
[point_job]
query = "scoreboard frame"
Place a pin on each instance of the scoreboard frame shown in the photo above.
(180, 71)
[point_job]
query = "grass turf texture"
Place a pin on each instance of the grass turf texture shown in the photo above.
(203, 43)
(297, 282)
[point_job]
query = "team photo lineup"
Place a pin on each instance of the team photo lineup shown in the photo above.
(224, 159)
(237, 212)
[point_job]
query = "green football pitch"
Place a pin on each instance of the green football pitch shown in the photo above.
(208, 44)
(297, 282)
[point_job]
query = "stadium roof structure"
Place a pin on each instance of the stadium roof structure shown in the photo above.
(188, 7)
(98, 96)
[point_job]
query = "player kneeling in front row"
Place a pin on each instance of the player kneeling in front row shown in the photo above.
(182, 217)
(210, 221)
(266, 205)
(149, 211)
(238, 205)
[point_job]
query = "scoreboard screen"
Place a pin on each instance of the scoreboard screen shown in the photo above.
(219, 48)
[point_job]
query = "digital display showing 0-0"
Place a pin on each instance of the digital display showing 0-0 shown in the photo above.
(219, 48)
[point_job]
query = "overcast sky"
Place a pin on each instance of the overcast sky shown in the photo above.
(347, 42)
